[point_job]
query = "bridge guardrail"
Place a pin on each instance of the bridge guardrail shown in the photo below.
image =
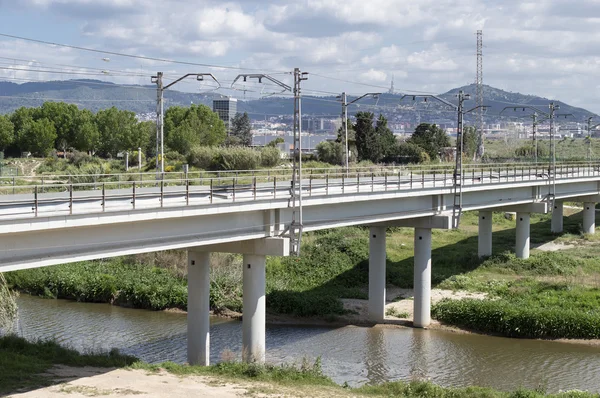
(28, 199)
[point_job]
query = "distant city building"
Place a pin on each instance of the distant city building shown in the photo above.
(226, 109)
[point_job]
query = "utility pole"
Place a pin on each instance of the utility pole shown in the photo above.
(534, 134)
(159, 125)
(296, 226)
(479, 96)
(551, 115)
(160, 88)
(345, 104)
(552, 169)
(345, 124)
(457, 176)
(457, 209)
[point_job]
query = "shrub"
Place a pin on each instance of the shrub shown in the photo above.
(236, 159)
(508, 319)
(269, 157)
(202, 157)
(330, 152)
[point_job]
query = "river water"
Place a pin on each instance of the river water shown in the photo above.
(356, 355)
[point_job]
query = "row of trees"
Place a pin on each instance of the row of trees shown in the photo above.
(60, 126)
(372, 140)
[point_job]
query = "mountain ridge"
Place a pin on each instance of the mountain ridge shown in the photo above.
(96, 95)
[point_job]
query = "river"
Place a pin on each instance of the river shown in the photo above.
(356, 355)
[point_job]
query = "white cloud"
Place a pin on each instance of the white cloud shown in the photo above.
(540, 47)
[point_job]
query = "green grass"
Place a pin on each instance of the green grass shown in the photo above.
(22, 363)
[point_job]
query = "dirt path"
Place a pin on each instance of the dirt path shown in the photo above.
(95, 382)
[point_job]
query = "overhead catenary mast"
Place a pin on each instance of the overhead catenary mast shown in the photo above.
(479, 96)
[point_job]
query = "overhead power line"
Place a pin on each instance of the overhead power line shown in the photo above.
(118, 54)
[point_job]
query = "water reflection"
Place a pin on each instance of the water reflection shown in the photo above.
(356, 355)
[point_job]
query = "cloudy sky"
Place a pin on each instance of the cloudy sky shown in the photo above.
(549, 48)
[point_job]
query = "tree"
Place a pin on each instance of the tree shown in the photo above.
(116, 131)
(7, 132)
(8, 304)
(366, 139)
(20, 119)
(386, 139)
(62, 116)
(196, 125)
(39, 137)
(275, 142)
(470, 141)
(242, 128)
(85, 134)
(431, 138)
(341, 136)
(330, 152)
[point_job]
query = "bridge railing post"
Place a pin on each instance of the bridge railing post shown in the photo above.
(187, 191)
(103, 197)
(372, 182)
(254, 186)
(234, 187)
(411, 173)
(357, 181)
(162, 192)
(343, 183)
(211, 190)
(70, 198)
(35, 200)
(275, 187)
(385, 181)
(133, 194)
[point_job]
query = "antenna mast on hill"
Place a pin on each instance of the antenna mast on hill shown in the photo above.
(479, 95)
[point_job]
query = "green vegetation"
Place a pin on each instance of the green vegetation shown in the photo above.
(8, 305)
(24, 366)
(23, 363)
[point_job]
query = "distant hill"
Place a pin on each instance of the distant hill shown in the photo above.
(96, 95)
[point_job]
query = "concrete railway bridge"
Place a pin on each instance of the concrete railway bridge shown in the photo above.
(60, 219)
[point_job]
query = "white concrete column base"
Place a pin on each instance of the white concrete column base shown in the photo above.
(198, 316)
(422, 281)
(377, 258)
(523, 235)
(485, 234)
(589, 218)
(557, 217)
(253, 319)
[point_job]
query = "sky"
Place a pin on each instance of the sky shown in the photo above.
(549, 48)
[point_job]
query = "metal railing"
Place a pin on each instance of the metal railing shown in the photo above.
(111, 192)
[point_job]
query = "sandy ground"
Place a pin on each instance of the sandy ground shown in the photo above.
(98, 382)
(399, 303)
(91, 382)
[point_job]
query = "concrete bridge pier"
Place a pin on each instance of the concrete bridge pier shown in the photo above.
(254, 317)
(557, 217)
(255, 254)
(589, 217)
(377, 258)
(198, 320)
(523, 235)
(485, 234)
(422, 266)
(422, 278)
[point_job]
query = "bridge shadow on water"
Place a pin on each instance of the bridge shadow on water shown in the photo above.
(449, 258)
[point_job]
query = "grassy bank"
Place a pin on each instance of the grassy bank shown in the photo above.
(24, 366)
(23, 363)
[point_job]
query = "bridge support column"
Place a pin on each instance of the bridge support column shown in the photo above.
(523, 231)
(253, 319)
(422, 281)
(377, 258)
(589, 218)
(485, 234)
(557, 217)
(198, 320)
